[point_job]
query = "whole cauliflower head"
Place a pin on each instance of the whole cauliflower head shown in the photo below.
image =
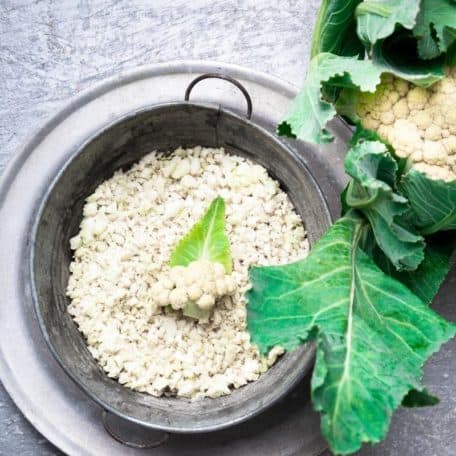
(194, 289)
(419, 123)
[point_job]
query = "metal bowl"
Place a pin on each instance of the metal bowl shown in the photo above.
(128, 138)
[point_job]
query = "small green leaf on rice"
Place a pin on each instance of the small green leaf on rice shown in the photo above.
(206, 240)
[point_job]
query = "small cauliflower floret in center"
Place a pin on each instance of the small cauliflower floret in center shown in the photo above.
(194, 289)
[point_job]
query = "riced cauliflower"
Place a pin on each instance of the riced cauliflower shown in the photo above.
(193, 288)
(419, 123)
(131, 225)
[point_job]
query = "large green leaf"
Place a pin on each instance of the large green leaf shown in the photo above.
(206, 240)
(373, 334)
(433, 202)
(435, 27)
(374, 170)
(309, 113)
(335, 29)
(426, 280)
(398, 55)
(377, 19)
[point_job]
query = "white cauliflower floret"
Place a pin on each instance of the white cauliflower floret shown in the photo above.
(433, 133)
(178, 297)
(437, 172)
(194, 291)
(401, 86)
(450, 145)
(401, 109)
(387, 118)
(434, 153)
(207, 301)
(419, 123)
(423, 119)
(417, 98)
(405, 137)
(194, 288)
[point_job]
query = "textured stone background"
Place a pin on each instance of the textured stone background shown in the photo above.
(52, 49)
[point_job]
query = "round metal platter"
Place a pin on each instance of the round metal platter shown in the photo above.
(37, 384)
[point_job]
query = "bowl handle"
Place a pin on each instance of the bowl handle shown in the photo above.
(131, 434)
(225, 78)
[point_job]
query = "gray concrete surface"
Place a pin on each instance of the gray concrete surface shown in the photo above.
(52, 49)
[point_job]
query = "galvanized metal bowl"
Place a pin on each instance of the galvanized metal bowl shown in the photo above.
(125, 141)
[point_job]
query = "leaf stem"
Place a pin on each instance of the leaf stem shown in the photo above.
(442, 223)
(315, 45)
(357, 202)
(367, 7)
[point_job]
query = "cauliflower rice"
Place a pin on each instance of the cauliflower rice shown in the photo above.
(131, 224)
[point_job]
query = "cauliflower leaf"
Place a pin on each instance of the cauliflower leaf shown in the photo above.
(398, 55)
(335, 29)
(310, 113)
(435, 27)
(371, 191)
(373, 334)
(433, 201)
(377, 19)
(427, 279)
(207, 240)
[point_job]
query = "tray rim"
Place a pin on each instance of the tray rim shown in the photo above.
(20, 397)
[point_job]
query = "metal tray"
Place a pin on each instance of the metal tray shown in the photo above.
(39, 387)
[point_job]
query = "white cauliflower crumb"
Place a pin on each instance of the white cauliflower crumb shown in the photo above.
(419, 123)
(121, 286)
